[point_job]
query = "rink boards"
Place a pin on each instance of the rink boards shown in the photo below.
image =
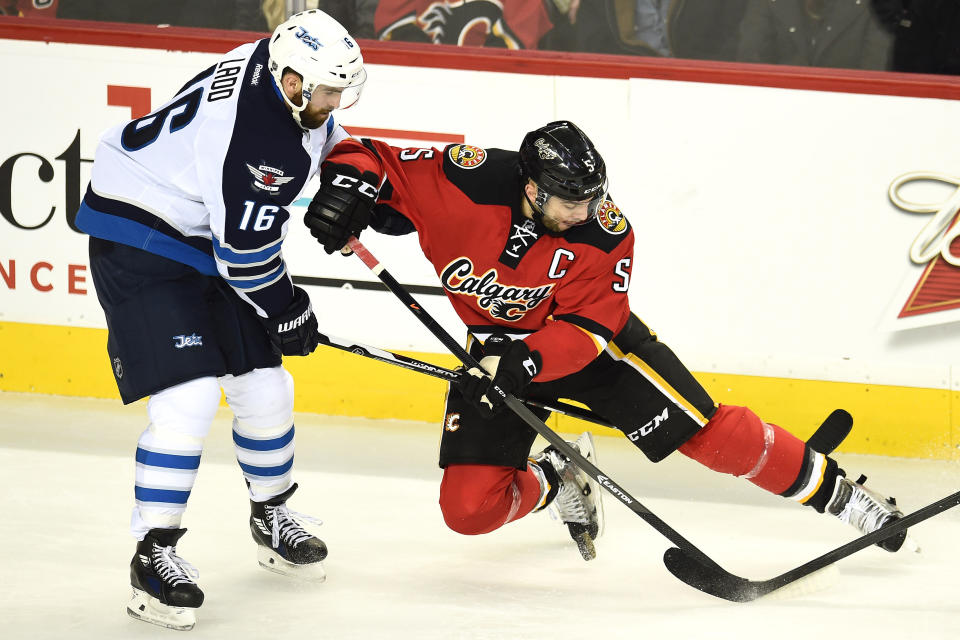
(794, 246)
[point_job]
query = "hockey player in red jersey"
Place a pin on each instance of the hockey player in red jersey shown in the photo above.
(536, 259)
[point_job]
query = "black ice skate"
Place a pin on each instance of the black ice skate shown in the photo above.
(573, 497)
(867, 511)
(284, 546)
(164, 591)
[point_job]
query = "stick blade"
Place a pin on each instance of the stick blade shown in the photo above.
(718, 583)
(832, 432)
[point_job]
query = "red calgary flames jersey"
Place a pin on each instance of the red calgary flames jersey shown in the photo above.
(566, 296)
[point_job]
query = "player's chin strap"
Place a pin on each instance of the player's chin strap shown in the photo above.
(537, 205)
(685, 561)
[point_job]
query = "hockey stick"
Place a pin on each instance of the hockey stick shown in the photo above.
(825, 439)
(528, 416)
(413, 364)
(723, 584)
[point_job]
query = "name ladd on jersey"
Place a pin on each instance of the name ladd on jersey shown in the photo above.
(502, 301)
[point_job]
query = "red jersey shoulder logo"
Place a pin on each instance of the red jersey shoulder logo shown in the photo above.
(611, 219)
(467, 156)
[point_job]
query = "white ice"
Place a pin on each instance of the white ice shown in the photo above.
(395, 570)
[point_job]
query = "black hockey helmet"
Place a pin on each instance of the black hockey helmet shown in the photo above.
(562, 161)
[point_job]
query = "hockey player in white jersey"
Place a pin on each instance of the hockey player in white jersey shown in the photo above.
(187, 212)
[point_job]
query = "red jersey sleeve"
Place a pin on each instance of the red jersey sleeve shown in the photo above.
(590, 308)
(408, 182)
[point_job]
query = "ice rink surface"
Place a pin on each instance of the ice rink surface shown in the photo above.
(395, 570)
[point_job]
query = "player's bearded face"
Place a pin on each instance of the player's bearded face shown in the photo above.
(322, 102)
(559, 214)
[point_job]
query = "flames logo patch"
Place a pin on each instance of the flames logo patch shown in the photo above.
(467, 156)
(611, 219)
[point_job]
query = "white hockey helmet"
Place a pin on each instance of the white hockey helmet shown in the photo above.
(318, 48)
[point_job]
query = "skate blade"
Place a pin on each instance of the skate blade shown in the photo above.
(145, 607)
(272, 561)
(585, 546)
(910, 544)
(588, 451)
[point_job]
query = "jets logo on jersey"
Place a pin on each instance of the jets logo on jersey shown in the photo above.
(467, 156)
(504, 302)
(267, 178)
(611, 219)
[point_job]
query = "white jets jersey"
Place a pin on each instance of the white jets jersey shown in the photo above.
(206, 179)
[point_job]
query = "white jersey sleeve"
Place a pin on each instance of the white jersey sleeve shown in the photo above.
(207, 178)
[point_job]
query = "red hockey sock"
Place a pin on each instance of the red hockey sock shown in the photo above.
(737, 442)
(478, 498)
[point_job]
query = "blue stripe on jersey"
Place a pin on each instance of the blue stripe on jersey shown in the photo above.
(257, 282)
(167, 460)
(267, 471)
(230, 256)
(160, 495)
(271, 444)
(140, 236)
(246, 272)
(329, 124)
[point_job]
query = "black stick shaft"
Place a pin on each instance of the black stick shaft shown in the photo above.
(412, 364)
(524, 413)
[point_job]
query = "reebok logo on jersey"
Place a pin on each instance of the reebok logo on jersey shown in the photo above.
(193, 340)
(500, 301)
(267, 178)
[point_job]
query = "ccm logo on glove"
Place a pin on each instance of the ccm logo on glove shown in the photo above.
(349, 182)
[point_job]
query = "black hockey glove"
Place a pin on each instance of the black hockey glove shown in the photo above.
(511, 366)
(294, 332)
(341, 207)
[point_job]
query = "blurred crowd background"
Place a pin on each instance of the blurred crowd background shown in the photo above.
(921, 36)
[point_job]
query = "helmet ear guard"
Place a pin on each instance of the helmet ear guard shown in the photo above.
(319, 49)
